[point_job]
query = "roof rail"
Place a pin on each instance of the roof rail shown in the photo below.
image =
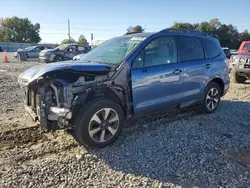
(128, 33)
(183, 31)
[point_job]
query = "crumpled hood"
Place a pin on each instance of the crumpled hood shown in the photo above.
(35, 72)
(48, 50)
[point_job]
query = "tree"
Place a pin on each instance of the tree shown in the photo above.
(228, 35)
(135, 29)
(68, 41)
(16, 29)
(82, 40)
(188, 26)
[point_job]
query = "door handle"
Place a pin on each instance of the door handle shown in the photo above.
(208, 65)
(177, 71)
(144, 70)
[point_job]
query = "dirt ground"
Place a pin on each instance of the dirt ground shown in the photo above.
(215, 149)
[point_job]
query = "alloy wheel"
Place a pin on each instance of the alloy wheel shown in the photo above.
(212, 98)
(103, 125)
(58, 59)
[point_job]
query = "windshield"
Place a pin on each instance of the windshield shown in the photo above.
(114, 50)
(30, 48)
(62, 47)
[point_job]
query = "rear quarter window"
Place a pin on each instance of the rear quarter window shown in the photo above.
(211, 48)
(190, 49)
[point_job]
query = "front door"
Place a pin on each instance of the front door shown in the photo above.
(70, 52)
(34, 53)
(156, 76)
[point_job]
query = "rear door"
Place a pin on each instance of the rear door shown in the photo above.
(156, 76)
(192, 56)
(81, 50)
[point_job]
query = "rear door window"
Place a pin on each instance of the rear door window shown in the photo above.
(190, 49)
(81, 48)
(211, 48)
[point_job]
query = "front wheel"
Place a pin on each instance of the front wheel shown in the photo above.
(211, 98)
(99, 124)
(235, 78)
(58, 58)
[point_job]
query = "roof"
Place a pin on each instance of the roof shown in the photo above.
(74, 44)
(172, 32)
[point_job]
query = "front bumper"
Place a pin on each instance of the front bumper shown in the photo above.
(48, 118)
(15, 54)
(244, 72)
(46, 59)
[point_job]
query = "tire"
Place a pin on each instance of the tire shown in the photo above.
(235, 78)
(92, 134)
(211, 98)
(58, 58)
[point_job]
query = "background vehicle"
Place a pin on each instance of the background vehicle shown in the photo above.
(240, 68)
(244, 48)
(77, 57)
(227, 52)
(234, 51)
(130, 75)
(32, 51)
(63, 52)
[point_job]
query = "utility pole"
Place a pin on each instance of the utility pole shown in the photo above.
(92, 37)
(69, 29)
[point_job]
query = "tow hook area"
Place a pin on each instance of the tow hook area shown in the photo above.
(61, 116)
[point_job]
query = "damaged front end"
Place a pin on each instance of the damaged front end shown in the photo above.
(54, 93)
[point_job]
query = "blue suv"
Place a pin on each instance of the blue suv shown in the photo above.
(131, 75)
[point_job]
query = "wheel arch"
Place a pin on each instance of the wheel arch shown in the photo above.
(58, 55)
(220, 82)
(113, 94)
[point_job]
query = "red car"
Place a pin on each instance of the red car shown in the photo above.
(244, 48)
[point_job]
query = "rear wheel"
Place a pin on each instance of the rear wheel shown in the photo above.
(99, 124)
(211, 98)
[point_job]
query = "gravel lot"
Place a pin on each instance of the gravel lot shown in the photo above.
(165, 150)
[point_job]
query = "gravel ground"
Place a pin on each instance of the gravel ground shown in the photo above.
(165, 150)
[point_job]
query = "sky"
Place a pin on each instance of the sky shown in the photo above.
(110, 18)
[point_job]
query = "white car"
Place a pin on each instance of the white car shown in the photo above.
(77, 57)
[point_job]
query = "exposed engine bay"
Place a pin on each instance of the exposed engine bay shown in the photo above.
(50, 99)
(55, 93)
